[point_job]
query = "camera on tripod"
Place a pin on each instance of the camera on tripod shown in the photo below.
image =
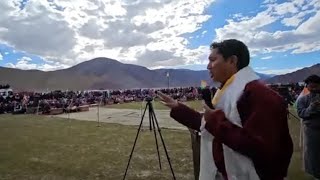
(154, 126)
(148, 99)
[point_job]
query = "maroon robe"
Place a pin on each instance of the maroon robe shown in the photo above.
(264, 137)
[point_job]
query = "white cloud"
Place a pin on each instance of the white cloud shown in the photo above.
(159, 56)
(302, 38)
(292, 21)
(27, 65)
(204, 32)
(22, 64)
(24, 58)
(269, 1)
(37, 29)
(6, 53)
(296, 19)
(112, 28)
(267, 57)
(237, 15)
(197, 56)
(311, 25)
(244, 29)
(1, 57)
(278, 71)
(285, 8)
(51, 67)
(260, 68)
(146, 32)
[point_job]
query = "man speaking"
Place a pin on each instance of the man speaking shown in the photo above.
(246, 135)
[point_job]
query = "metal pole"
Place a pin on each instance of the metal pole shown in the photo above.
(168, 78)
(98, 113)
(38, 107)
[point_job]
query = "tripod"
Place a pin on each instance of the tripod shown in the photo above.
(153, 125)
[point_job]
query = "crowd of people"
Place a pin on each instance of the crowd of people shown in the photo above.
(20, 102)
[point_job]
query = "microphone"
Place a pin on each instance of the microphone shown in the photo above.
(206, 96)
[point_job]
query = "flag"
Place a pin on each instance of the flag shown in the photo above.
(203, 84)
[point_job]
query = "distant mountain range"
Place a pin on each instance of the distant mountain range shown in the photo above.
(105, 73)
(297, 76)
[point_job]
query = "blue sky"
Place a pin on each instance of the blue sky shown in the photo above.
(47, 35)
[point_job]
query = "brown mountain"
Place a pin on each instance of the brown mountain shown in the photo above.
(99, 73)
(297, 76)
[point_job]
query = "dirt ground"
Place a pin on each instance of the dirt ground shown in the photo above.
(125, 116)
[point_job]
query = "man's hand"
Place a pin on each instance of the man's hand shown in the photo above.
(214, 120)
(167, 100)
(207, 111)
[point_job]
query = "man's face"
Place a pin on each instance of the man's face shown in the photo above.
(220, 69)
(313, 87)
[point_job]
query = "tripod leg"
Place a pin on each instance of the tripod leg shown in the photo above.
(135, 141)
(155, 136)
(164, 146)
(150, 127)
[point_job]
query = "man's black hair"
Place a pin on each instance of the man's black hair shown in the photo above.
(312, 79)
(232, 47)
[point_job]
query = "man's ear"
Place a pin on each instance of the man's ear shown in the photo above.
(234, 60)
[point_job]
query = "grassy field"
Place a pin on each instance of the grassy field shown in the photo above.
(38, 147)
